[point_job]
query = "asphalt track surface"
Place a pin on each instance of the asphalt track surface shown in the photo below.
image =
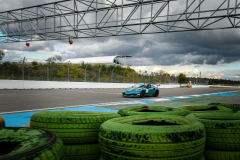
(18, 100)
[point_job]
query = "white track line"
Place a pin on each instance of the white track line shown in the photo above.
(106, 104)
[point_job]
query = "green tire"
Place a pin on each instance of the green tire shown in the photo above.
(205, 109)
(143, 110)
(233, 107)
(221, 155)
(112, 156)
(84, 151)
(83, 128)
(152, 136)
(101, 158)
(223, 130)
(72, 117)
(27, 143)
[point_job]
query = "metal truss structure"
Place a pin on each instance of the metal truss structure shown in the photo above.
(73, 19)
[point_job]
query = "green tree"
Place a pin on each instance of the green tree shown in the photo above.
(182, 78)
(74, 71)
(2, 54)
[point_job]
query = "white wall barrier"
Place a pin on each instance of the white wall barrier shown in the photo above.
(19, 84)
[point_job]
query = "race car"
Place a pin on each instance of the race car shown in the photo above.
(141, 90)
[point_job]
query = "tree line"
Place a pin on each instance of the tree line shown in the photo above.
(112, 73)
(76, 72)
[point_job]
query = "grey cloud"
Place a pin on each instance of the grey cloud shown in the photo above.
(203, 47)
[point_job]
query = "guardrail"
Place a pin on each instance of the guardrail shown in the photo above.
(19, 84)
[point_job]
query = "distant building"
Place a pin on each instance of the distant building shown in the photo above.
(107, 60)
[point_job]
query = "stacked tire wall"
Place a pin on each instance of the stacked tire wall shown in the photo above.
(205, 109)
(233, 107)
(223, 135)
(141, 137)
(158, 110)
(78, 130)
(27, 143)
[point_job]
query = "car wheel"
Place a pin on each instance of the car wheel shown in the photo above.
(142, 94)
(156, 93)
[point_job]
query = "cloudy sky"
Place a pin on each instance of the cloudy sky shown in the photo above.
(216, 54)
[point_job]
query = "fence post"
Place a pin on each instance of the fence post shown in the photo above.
(124, 75)
(112, 75)
(85, 73)
(68, 71)
(23, 68)
(48, 70)
(133, 76)
(12, 76)
(99, 74)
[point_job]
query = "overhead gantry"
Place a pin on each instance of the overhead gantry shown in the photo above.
(73, 19)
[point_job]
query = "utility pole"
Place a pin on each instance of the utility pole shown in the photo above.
(124, 75)
(23, 68)
(112, 75)
(99, 74)
(68, 71)
(48, 70)
(133, 76)
(85, 73)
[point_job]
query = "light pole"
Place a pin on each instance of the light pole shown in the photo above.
(48, 70)
(85, 73)
(99, 74)
(23, 68)
(124, 75)
(68, 71)
(112, 75)
(133, 76)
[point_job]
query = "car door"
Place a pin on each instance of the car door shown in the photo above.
(148, 87)
(151, 89)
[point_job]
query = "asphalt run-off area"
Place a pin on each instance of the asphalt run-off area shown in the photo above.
(17, 106)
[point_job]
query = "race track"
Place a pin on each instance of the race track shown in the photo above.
(30, 100)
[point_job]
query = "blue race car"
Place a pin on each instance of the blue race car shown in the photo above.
(141, 90)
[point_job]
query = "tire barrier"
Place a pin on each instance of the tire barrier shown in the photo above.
(165, 137)
(101, 158)
(222, 155)
(205, 109)
(2, 122)
(77, 129)
(143, 110)
(223, 134)
(27, 143)
(233, 107)
(83, 151)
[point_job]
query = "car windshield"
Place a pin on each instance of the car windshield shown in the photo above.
(139, 85)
